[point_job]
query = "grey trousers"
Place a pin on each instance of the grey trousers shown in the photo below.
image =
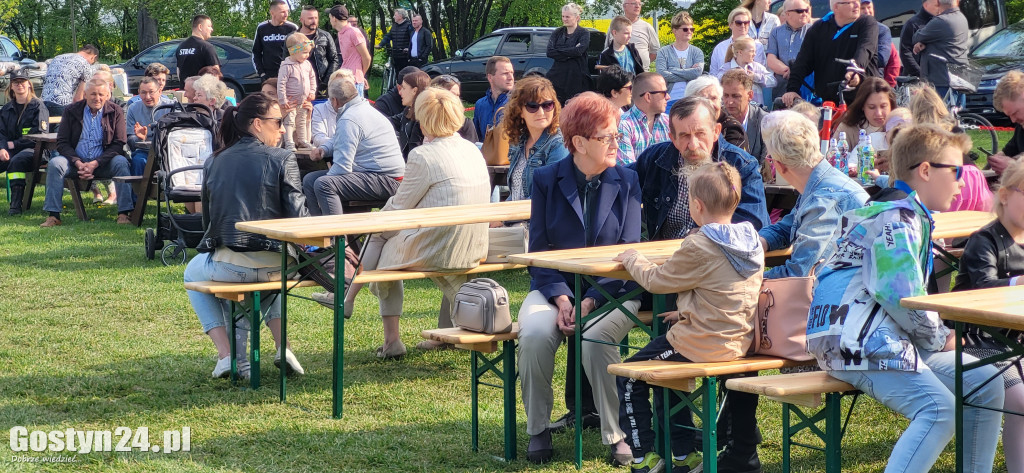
(539, 338)
(325, 194)
(391, 294)
(59, 167)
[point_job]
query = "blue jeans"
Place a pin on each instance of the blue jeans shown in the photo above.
(926, 398)
(139, 158)
(214, 312)
(59, 167)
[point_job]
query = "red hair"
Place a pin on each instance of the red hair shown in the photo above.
(584, 114)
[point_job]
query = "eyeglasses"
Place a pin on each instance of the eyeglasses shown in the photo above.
(800, 11)
(628, 87)
(959, 169)
(607, 140)
(532, 107)
(656, 92)
(685, 29)
(277, 119)
(741, 23)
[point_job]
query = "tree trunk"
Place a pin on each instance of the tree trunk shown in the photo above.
(148, 34)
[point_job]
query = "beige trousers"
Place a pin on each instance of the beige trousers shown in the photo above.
(539, 338)
(391, 294)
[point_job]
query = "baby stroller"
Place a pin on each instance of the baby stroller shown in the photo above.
(182, 141)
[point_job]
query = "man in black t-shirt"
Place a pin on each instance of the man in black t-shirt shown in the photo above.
(268, 48)
(196, 52)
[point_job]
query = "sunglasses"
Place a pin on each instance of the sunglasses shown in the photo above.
(959, 170)
(685, 29)
(607, 140)
(277, 119)
(532, 107)
(741, 23)
(656, 92)
(800, 11)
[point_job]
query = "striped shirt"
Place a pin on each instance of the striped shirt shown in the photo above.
(635, 135)
(90, 144)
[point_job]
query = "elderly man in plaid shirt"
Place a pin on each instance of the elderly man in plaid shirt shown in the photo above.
(646, 122)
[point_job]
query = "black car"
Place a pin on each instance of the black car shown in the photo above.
(526, 47)
(9, 52)
(235, 56)
(1001, 53)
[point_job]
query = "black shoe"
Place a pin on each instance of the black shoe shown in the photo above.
(730, 461)
(540, 449)
(17, 193)
(568, 421)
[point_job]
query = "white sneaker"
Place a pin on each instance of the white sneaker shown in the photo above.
(223, 368)
(290, 360)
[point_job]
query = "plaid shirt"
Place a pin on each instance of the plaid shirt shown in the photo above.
(635, 135)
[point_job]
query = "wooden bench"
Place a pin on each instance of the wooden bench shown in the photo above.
(684, 377)
(502, 365)
(807, 390)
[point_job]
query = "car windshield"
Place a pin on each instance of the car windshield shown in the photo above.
(1008, 42)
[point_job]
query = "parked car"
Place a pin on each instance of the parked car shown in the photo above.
(526, 47)
(235, 56)
(1001, 53)
(9, 52)
(984, 17)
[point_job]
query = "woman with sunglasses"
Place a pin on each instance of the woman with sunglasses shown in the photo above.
(739, 25)
(531, 122)
(579, 202)
(250, 179)
(678, 62)
(568, 48)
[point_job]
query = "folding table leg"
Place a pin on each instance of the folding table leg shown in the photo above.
(474, 399)
(508, 382)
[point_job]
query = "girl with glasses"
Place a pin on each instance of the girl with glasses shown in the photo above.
(679, 63)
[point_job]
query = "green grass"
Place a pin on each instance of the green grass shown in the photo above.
(95, 336)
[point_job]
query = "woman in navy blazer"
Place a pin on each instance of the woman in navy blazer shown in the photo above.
(583, 201)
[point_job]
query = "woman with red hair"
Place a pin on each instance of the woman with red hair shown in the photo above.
(585, 200)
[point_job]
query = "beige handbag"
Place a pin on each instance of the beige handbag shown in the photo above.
(504, 241)
(495, 147)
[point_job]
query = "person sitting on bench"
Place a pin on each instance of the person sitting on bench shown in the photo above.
(716, 273)
(91, 141)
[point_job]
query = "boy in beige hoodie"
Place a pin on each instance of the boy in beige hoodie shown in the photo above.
(716, 273)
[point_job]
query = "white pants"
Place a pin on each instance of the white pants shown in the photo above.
(539, 338)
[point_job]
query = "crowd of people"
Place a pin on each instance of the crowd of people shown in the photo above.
(680, 152)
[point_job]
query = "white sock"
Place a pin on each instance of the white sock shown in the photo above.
(638, 460)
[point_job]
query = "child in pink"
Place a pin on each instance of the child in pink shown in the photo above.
(296, 84)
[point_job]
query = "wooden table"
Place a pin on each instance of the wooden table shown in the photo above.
(44, 142)
(589, 263)
(323, 231)
(992, 311)
(959, 224)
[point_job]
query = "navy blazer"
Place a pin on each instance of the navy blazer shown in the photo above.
(656, 164)
(557, 223)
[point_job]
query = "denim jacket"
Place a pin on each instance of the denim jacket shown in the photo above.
(809, 228)
(655, 166)
(856, 321)
(548, 149)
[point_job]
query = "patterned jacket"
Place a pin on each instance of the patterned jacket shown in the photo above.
(856, 321)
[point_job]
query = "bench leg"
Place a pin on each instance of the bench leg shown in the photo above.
(503, 365)
(787, 434)
(254, 345)
(76, 198)
(709, 424)
(831, 434)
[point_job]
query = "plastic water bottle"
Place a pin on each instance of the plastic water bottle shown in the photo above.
(843, 155)
(867, 157)
(832, 152)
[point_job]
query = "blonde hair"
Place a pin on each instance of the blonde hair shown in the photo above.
(680, 19)
(1013, 177)
(739, 11)
(791, 139)
(745, 43)
(574, 8)
(919, 143)
(717, 185)
(808, 110)
(898, 117)
(439, 112)
(342, 72)
(1010, 87)
(620, 23)
(927, 107)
